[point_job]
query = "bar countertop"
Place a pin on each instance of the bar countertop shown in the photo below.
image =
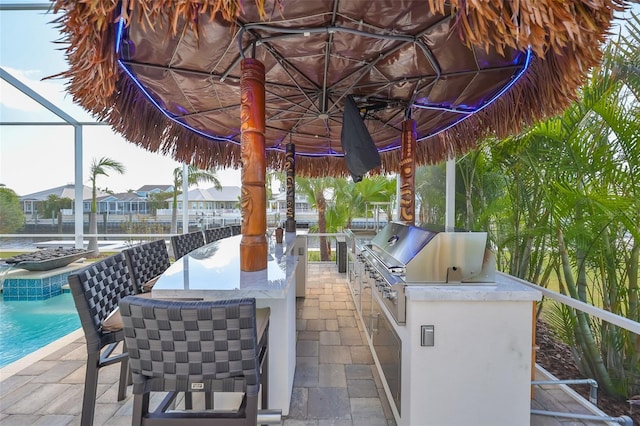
(213, 271)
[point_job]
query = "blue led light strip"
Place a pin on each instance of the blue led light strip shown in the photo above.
(467, 114)
(166, 113)
(119, 32)
(527, 62)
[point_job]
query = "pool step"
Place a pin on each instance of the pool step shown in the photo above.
(65, 288)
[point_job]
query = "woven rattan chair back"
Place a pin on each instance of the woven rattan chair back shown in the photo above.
(146, 262)
(97, 290)
(184, 243)
(208, 346)
(227, 231)
(215, 234)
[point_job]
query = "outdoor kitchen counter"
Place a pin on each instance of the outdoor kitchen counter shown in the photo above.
(467, 353)
(503, 289)
(448, 353)
(212, 272)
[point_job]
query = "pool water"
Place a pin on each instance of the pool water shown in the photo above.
(26, 326)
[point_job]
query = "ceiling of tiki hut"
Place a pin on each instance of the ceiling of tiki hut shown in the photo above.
(167, 75)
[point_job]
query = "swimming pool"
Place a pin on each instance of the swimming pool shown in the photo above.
(26, 326)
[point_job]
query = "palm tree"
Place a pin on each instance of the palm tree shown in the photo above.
(314, 189)
(99, 167)
(375, 189)
(53, 204)
(430, 189)
(157, 201)
(194, 176)
(348, 202)
(571, 207)
(354, 196)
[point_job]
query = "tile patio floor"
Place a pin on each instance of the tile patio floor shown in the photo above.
(336, 382)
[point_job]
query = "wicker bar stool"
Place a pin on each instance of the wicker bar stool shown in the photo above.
(210, 346)
(184, 243)
(146, 262)
(97, 290)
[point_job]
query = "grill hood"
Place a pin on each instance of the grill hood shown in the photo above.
(433, 254)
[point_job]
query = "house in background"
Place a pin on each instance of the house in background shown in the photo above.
(305, 215)
(207, 207)
(201, 201)
(119, 204)
(128, 203)
(209, 201)
(279, 202)
(227, 199)
(147, 190)
(30, 203)
(113, 204)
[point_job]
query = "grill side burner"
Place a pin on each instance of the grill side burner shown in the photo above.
(401, 255)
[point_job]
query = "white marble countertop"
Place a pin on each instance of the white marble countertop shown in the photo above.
(213, 271)
(504, 289)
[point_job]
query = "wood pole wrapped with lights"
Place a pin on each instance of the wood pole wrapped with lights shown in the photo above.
(408, 172)
(253, 246)
(290, 168)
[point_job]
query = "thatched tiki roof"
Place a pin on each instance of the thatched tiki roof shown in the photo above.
(165, 74)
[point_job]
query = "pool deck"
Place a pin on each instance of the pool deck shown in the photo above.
(336, 382)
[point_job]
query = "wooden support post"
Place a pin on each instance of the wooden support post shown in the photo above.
(253, 246)
(290, 168)
(407, 173)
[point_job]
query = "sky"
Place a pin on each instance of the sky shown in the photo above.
(36, 157)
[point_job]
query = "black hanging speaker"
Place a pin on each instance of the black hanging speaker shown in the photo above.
(360, 152)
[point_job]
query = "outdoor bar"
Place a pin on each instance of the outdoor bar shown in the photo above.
(342, 88)
(213, 272)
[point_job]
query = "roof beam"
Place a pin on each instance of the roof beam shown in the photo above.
(26, 6)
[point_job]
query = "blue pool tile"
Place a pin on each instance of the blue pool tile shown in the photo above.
(10, 294)
(40, 288)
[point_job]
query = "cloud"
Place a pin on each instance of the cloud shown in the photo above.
(52, 90)
(14, 98)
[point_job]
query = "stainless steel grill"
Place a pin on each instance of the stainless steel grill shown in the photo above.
(401, 255)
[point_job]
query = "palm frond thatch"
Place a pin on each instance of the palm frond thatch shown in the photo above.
(566, 38)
